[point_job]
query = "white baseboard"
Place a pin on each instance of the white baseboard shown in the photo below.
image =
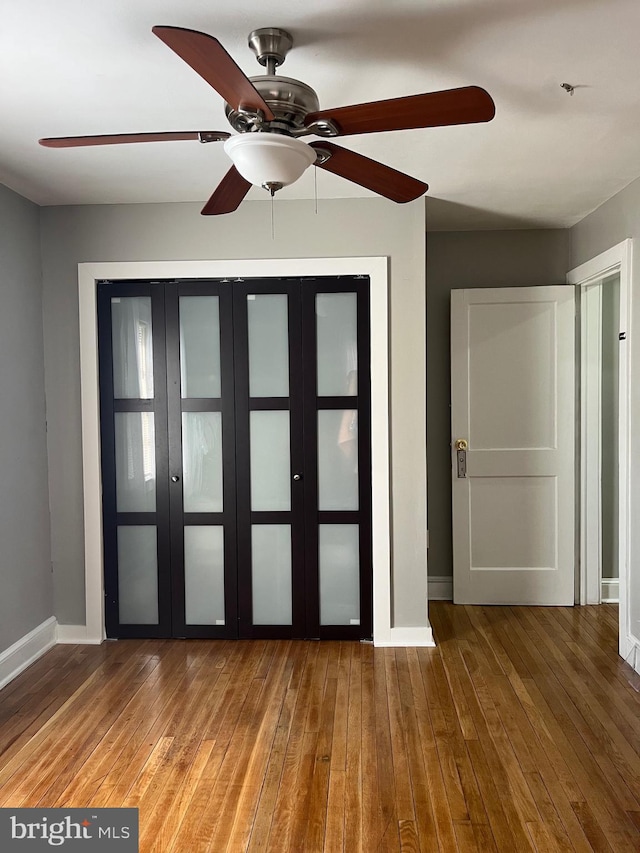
(27, 650)
(631, 653)
(76, 634)
(403, 637)
(609, 590)
(440, 588)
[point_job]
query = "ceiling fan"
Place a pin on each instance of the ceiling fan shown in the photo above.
(271, 113)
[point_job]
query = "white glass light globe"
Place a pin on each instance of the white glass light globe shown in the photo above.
(269, 158)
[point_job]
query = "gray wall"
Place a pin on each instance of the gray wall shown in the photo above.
(612, 222)
(347, 227)
(469, 259)
(25, 569)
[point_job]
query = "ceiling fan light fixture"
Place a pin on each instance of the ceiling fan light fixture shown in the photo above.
(269, 159)
(271, 112)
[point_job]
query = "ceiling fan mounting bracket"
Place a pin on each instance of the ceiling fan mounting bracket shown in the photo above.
(270, 45)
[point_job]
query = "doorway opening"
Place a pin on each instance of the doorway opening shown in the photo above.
(599, 380)
(604, 284)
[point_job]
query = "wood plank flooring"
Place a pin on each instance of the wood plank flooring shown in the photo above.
(519, 732)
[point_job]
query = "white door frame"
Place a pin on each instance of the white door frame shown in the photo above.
(377, 270)
(617, 259)
(590, 494)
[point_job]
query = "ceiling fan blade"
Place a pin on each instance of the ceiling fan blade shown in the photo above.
(434, 109)
(228, 194)
(122, 138)
(210, 60)
(370, 174)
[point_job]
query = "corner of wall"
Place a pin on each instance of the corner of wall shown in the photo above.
(27, 650)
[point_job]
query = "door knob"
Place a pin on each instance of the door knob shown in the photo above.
(297, 477)
(175, 479)
(460, 445)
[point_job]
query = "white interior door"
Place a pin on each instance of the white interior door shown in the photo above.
(513, 400)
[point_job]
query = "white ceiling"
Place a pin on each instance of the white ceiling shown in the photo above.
(75, 67)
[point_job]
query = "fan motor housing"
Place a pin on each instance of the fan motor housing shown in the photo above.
(288, 99)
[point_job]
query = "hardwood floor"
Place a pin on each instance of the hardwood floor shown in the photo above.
(520, 731)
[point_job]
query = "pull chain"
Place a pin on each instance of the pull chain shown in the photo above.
(273, 230)
(315, 187)
(272, 187)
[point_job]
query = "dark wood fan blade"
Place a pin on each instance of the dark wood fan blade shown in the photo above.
(228, 194)
(435, 109)
(123, 138)
(370, 174)
(211, 61)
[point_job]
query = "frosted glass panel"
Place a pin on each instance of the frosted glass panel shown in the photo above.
(270, 461)
(337, 344)
(138, 575)
(204, 575)
(271, 573)
(339, 556)
(267, 316)
(338, 459)
(132, 343)
(200, 346)
(135, 462)
(202, 461)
